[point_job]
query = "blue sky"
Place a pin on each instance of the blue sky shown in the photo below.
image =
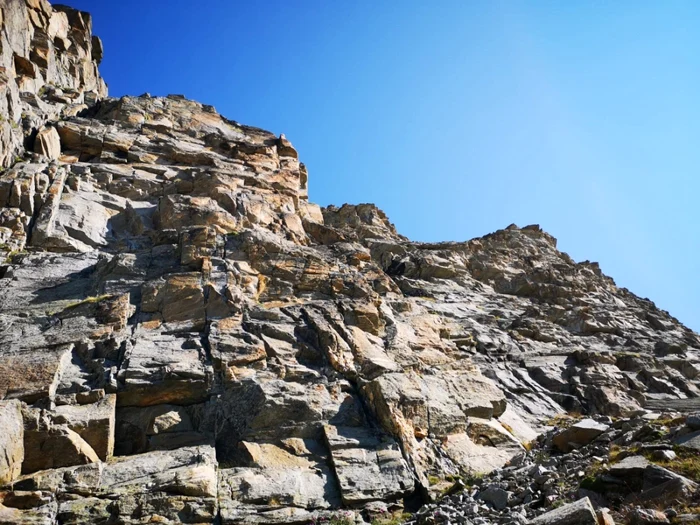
(458, 118)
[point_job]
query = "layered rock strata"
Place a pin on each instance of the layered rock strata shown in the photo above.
(187, 339)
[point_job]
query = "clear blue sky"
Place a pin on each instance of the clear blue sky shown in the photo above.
(459, 117)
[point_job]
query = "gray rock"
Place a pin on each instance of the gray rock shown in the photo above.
(640, 516)
(693, 421)
(633, 466)
(48, 143)
(578, 513)
(691, 440)
(580, 433)
(368, 467)
(495, 496)
(663, 455)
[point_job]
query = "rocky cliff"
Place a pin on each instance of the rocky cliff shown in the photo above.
(186, 339)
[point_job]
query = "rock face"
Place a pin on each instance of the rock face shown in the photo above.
(11, 441)
(48, 70)
(185, 338)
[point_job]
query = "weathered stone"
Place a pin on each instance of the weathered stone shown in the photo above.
(55, 447)
(691, 440)
(368, 467)
(632, 466)
(40, 50)
(578, 513)
(158, 427)
(164, 369)
(276, 487)
(92, 422)
(48, 143)
(495, 496)
(604, 517)
(11, 441)
(179, 486)
(640, 516)
(693, 421)
(676, 488)
(580, 433)
(31, 375)
(663, 455)
(478, 458)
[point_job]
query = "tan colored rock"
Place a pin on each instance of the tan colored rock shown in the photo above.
(48, 143)
(32, 375)
(604, 517)
(641, 516)
(268, 455)
(179, 298)
(55, 447)
(478, 458)
(490, 432)
(92, 422)
(36, 38)
(11, 441)
(285, 148)
(164, 369)
(197, 243)
(517, 426)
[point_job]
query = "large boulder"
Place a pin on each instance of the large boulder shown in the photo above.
(94, 422)
(55, 447)
(579, 434)
(48, 143)
(577, 513)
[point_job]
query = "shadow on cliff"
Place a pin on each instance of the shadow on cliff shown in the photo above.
(77, 285)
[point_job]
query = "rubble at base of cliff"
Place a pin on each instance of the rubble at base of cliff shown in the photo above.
(602, 470)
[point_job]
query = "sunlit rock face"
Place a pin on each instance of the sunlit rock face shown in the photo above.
(48, 71)
(186, 339)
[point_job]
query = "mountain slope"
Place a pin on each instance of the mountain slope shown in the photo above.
(186, 339)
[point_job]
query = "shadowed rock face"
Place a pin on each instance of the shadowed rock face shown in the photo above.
(184, 337)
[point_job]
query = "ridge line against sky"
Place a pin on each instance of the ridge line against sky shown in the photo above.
(459, 118)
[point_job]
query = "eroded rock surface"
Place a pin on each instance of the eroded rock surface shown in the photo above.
(48, 70)
(185, 337)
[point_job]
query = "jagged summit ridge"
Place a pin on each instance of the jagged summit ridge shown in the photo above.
(185, 338)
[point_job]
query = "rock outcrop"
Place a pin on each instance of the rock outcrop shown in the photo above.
(187, 339)
(48, 70)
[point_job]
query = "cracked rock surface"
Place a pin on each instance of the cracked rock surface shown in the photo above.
(185, 338)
